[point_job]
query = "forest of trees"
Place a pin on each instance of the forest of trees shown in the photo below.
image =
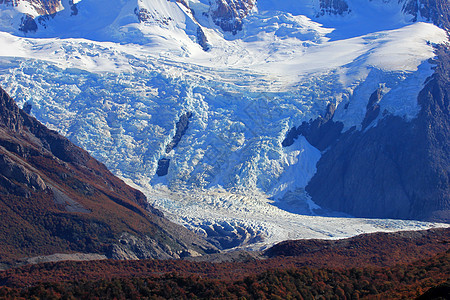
(402, 281)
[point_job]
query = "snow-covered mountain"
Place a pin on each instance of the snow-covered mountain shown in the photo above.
(91, 18)
(193, 101)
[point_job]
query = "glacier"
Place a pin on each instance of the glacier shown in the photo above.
(117, 87)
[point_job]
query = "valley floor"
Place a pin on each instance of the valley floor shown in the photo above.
(406, 266)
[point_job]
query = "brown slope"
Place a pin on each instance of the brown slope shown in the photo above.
(54, 197)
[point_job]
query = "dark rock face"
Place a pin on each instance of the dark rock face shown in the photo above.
(373, 108)
(361, 174)
(397, 169)
(321, 132)
(291, 136)
(27, 107)
(163, 167)
(73, 8)
(333, 7)
(28, 24)
(411, 7)
(181, 127)
(201, 39)
(438, 292)
(11, 120)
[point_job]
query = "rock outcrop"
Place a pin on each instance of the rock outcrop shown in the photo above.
(396, 169)
(11, 171)
(372, 108)
(229, 14)
(201, 39)
(436, 11)
(321, 132)
(333, 7)
(40, 7)
(180, 129)
(38, 12)
(163, 167)
(28, 24)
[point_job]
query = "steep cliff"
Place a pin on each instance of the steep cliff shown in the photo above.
(397, 169)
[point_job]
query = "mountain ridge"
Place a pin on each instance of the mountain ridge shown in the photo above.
(55, 198)
(228, 15)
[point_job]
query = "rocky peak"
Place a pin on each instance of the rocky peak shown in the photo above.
(321, 132)
(39, 7)
(28, 24)
(372, 108)
(36, 12)
(228, 14)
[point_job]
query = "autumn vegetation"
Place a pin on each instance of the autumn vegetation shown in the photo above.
(365, 267)
(405, 281)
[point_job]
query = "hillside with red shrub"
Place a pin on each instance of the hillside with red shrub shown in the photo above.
(278, 282)
(376, 249)
(430, 248)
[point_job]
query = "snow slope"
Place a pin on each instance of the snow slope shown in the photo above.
(117, 86)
